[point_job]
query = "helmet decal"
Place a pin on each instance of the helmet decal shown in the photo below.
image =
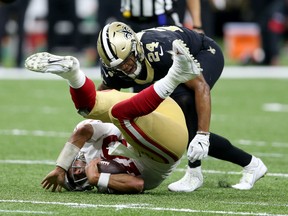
(104, 35)
(126, 31)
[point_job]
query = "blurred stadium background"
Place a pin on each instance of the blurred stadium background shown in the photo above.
(72, 26)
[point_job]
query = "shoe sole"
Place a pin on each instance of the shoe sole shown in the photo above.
(185, 67)
(40, 62)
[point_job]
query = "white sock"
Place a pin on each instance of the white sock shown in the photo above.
(194, 169)
(76, 79)
(165, 86)
(253, 162)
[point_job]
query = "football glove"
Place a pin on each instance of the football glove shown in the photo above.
(198, 147)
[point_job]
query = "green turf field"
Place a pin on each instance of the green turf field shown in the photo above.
(37, 116)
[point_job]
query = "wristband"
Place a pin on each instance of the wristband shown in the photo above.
(203, 133)
(103, 180)
(67, 155)
(198, 27)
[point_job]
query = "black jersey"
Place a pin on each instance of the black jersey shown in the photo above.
(157, 44)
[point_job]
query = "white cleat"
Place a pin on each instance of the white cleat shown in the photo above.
(251, 173)
(185, 67)
(47, 63)
(191, 181)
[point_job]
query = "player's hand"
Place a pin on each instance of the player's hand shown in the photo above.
(92, 171)
(54, 179)
(198, 147)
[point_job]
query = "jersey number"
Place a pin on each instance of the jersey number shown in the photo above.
(153, 56)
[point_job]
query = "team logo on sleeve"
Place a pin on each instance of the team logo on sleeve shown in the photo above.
(212, 50)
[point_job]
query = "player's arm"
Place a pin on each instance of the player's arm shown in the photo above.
(76, 141)
(194, 8)
(56, 177)
(199, 146)
(202, 101)
(123, 183)
(81, 135)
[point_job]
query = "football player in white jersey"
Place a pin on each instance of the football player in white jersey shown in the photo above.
(101, 141)
(151, 122)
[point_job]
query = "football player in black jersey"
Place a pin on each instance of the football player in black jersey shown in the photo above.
(143, 58)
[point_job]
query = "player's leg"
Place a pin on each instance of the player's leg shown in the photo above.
(221, 148)
(82, 89)
(193, 178)
(150, 132)
(67, 67)
(184, 68)
(160, 134)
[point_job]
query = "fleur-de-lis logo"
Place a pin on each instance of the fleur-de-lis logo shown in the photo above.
(127, 32)
(212, 50)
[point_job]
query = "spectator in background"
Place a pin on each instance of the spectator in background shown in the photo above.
(274, 25)
(13, 10)
(154, 13)
(207, 22)
(150, 14)
(67, 35)
(108, 11)
(272, 18)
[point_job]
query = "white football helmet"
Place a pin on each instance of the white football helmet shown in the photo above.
(116, 43)
(75, 177)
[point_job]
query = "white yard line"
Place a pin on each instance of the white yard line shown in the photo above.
(26, 212)
(255, 204)
(142, 207)
(51, 162)
(22, 132)
(36, 162)
(230, 72)
(275, 107)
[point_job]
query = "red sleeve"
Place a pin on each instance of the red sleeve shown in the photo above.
(141, 104)
(84, 97)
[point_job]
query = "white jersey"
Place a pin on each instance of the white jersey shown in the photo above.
(107, 143)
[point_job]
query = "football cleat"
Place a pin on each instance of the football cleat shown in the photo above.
(191, 181)
(47, 63)
(185, 67)
(251, 173)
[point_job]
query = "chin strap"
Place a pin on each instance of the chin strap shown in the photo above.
(150, 74)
